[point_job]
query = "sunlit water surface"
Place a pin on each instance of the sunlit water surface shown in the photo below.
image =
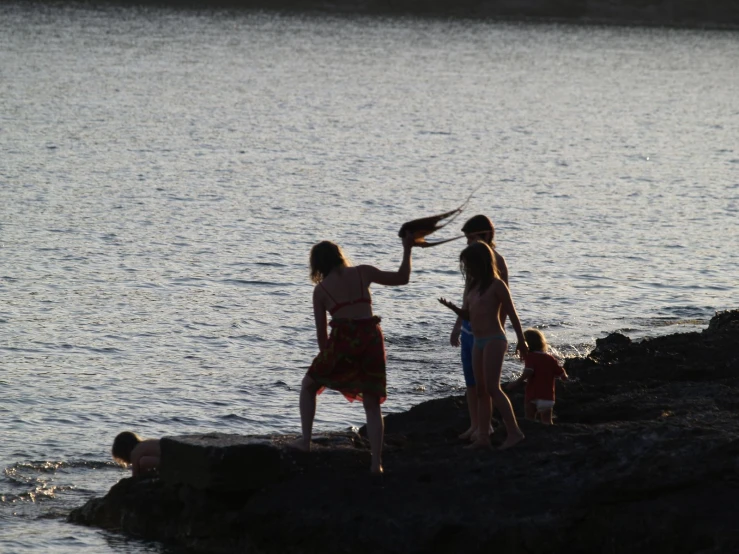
(163, 175)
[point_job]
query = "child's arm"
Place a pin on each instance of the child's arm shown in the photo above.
(454, 339)
(461, 312)
(456, 330)
(144, 465)
(559, 372)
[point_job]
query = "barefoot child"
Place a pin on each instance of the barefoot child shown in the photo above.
(487, 298)
(352, 358)
(142, 455)
(540, 373)
(478, 227)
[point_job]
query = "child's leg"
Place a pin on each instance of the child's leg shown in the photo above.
(495, 351)
(375, 429)
(530, 410)
(308, 392)
(472, 408)
(465, 350)
(484, 405)
(546, 416)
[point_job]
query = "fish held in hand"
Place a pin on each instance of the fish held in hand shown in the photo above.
(424, 226)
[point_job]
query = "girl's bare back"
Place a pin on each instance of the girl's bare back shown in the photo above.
(346, 293)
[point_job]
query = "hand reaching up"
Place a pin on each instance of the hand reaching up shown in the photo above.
(449, 304)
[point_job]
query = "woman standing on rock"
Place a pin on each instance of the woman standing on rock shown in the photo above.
(352, 358)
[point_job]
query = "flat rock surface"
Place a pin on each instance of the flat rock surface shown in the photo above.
(644, 457)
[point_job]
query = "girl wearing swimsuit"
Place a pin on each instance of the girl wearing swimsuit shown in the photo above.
(488, 297)
(478, 227)
(352, 357)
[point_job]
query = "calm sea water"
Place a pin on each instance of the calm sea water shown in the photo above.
(163, 175)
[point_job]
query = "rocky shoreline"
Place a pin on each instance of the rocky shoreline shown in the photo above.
(705, 14)
(644, 458)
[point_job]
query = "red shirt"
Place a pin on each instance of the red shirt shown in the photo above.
(540, 386)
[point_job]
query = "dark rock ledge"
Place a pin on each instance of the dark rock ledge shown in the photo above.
(644, 458)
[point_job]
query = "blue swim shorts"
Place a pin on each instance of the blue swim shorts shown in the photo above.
(467, 340)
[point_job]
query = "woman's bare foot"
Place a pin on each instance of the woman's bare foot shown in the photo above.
(377, 470)
(512, 439)
(468, 433)
(300, 444)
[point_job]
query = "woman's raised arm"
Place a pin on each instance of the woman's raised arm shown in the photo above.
(392, 278)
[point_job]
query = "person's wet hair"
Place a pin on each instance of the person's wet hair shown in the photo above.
(535, 339)
(477, 263)
(479, 225)
(324, 257)
(124, 444)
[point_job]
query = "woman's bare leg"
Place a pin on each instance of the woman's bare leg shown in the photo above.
(495, 351)
(375, 430)
(308, 391)
(546, 416)
(484, 406)
(530, 411)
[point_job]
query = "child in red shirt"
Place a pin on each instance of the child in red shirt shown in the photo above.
(540, 372)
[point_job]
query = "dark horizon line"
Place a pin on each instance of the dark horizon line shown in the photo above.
(708, 15)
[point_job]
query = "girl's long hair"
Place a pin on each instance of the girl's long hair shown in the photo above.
(324, 257)
(477, 263)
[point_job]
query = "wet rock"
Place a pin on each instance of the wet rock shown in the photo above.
(723, 321)
(644, 458)
(222, 462)
(607, 347)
